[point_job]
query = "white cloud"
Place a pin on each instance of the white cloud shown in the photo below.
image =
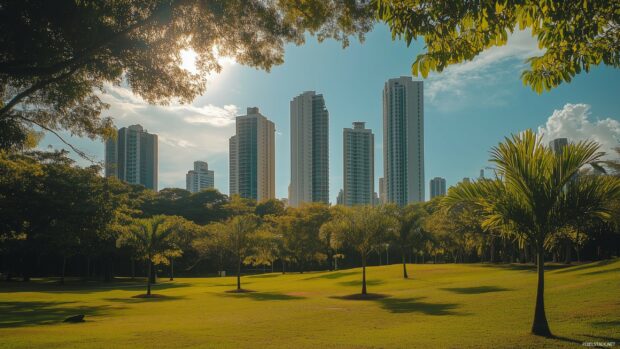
(573, 122)
(453, 84)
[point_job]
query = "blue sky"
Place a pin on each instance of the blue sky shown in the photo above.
(468, 108)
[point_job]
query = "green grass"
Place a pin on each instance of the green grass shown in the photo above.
(453, 306)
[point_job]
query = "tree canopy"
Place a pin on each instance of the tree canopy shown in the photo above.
(574, 35)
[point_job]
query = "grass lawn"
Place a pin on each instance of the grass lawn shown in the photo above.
(440, 306)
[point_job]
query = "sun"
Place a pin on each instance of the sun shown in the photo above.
(189, 56)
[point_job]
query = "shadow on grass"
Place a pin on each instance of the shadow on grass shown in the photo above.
(414, 305)
(18, 314)
(82, 287)
(587, 266)
(264, 276)
(261, 296)
(603, 338)
(362, 297)
(333, 275)
(599, 272)
(525, 267)
(606, 324)
(475, 289)
(143, 298)
(359, 283)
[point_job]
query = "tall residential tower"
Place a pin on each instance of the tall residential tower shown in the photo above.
(132, 156)
(309, 150)
(199, 178)
(403, 140)
(359, 165)
(438, 187)
(252, 157)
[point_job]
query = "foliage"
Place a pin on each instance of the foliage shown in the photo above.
(57, 57)
(574, 35)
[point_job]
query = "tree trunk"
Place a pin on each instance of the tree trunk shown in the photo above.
(239, 273)
(62, 272)
(540, 327)
(569, 249)
(133, 269)
(404, 265)
(148, 277)
(283, 265)
(363, 273)
(171, 269)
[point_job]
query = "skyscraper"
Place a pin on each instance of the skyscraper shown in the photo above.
(199, 178)
(438, 187)
(132, 156)
(558, 144)
(309, 150)
(359, 165)
(403, 140)
(252, 157)
(382, 191)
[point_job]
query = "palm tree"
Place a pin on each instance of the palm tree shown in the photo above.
(364, 229)
(153, 239)
(410, 227)
(536, 193)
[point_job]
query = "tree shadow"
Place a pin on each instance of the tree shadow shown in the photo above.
(18, 314)
(262, 296)
(264, 276)
(142, 298)
(359, 283)
(414, 305)
(526, 267)
(333, 275)
(361, 297)
(475, 289)
(599, 272)
(587, 266)
(606, 324)
(86, 287)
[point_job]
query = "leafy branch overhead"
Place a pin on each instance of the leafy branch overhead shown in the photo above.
(574, 35)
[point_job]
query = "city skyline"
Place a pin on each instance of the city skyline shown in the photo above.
(485, 91)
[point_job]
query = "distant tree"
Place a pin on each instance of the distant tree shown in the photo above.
(574, 35)
(212, 241)
(410, 227)
(241, 239)
(536, 195)
(56, 55)
(153, 239)
(364, 229)
(301, 238)
(273, 207)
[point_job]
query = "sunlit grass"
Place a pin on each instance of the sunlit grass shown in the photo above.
(439, 306)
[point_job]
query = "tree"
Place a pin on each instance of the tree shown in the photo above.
(536, 194)
(574, 35)
(240, 239)
(153, 238)
(410, 225)
(301, 236)
(56, 55)
(364, 229)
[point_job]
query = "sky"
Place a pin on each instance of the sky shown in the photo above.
(468, 108)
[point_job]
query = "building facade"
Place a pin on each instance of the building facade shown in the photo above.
(132, 156)
(438, 187)
(309, 149)
(403, 140)
(558, 144)
(359, 165)
(252, 157)
(199, 178)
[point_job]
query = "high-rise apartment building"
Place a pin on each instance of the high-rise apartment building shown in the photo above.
(132, 156)
(438, 187)
(309, 150)
(403, 140)
(359, 165)
(558, 144)
(382, 191)
(252, 157)
(199, 178)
